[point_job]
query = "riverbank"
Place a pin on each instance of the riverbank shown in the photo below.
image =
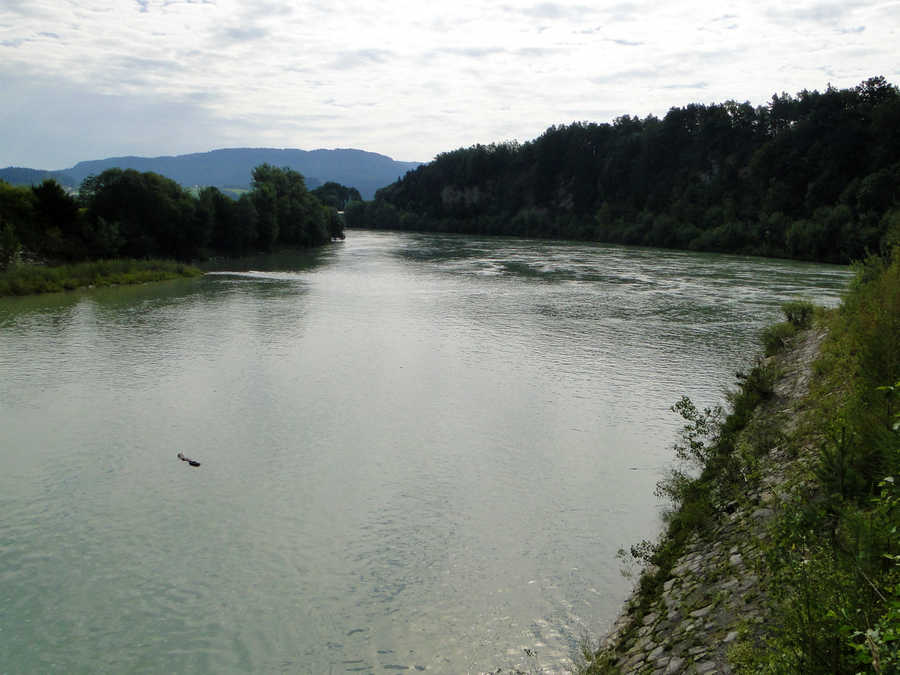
(781, 556)
(687, 619)
(35, 279)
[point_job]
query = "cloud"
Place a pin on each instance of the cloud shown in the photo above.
(625, 76)
(701, 58)
(359, 58)
(831, 11)
(625, 43)
(537, 52)
(244, 34)
(170, 3)
(554, 10)
(470, 52)
(145, 65)
(695, 85)
(628, 11)
(25, 8)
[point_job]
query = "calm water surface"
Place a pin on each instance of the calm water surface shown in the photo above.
(418, 452)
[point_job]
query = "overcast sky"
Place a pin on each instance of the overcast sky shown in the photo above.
(86, 79)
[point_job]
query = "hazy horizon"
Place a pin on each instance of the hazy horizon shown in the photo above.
(198, 152)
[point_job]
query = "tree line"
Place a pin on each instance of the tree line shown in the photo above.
(126, 213)
(813, 176)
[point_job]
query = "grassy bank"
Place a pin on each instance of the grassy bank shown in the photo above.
(31, 279)
(828, 563)
(834, 557)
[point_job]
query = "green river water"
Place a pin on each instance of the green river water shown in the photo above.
(417, 452)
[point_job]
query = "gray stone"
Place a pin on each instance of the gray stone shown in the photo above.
(703, 611)
(736, 560)
(633, 663)
(706, 667)
(731, 637)
(656, 653)
(762, 513)
(675, 665)
(642, 644)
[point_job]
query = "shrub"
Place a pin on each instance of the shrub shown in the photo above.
(776, 336)
(799, 313)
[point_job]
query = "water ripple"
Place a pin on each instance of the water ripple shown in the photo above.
(417, 451)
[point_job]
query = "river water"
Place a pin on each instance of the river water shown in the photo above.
(418, 452)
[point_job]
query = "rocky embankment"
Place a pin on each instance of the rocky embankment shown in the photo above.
(713, 595)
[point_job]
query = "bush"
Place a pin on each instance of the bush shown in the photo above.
(776, 336)
(799, 313)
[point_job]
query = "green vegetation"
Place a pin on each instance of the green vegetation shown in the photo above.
(799, 315)
(335, 195)
(835, 557)
(813, 176)
(29, 279)
(831, 565)
(144, 215)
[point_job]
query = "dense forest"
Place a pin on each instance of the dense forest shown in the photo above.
(124, 213)
(813, 176)
(335, 195)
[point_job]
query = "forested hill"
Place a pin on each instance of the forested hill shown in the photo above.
(813, 176)
(15, 175)
(232, 167)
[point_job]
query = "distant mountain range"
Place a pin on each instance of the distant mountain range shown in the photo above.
(231, 167)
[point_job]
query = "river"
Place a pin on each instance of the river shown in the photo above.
(417, 452)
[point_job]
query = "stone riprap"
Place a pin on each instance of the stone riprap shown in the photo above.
(714, 594)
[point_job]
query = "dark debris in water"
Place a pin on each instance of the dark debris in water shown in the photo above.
(191, 462)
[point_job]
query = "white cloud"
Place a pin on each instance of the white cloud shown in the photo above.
(94, 78)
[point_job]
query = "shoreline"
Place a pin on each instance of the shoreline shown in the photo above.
(713, 597)
(23, 280)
